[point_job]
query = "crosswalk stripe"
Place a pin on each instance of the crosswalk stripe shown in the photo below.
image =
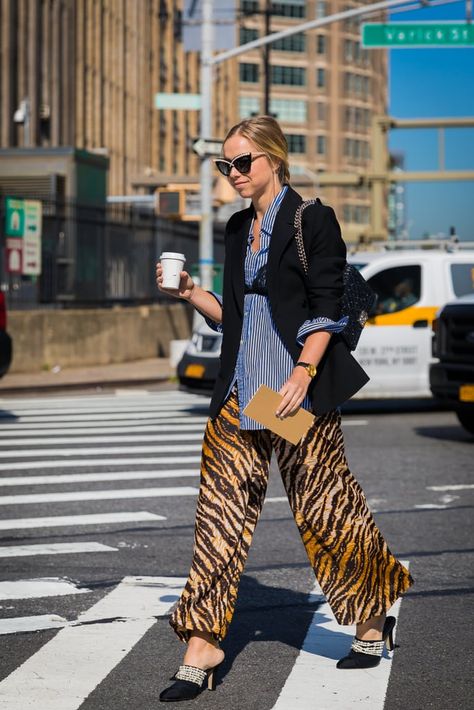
(55, 548)
(99, 451)
(94, 477)
(111, 416)
(453, 487)
(42, 587)
(68, 521)
(70, 666)
(99, 495)
(91, 438)
(314, 678)
(181, 424)
(101, 399)
(165, 408)
(93, 463)
(22, 624)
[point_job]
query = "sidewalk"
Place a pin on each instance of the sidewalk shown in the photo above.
(139, 372)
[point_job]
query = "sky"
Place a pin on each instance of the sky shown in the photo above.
(429, 83)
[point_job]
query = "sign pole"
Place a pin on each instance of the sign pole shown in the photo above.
(205, 232)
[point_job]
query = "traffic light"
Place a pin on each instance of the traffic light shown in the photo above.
(170, 203)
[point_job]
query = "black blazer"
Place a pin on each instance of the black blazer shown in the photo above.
(293, 297)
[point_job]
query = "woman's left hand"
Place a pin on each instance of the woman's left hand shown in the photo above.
(294, 391)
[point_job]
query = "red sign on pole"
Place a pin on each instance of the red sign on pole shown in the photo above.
(14, 255)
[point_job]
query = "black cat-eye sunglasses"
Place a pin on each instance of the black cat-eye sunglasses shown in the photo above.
(242, 163)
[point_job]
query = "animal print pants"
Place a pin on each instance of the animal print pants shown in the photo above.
(352, 563)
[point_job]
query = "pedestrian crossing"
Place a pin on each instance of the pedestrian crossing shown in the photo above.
(86, 466)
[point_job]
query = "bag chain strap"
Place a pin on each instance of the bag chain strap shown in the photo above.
(299, 233)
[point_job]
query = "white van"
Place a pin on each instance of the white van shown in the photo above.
(395, 346)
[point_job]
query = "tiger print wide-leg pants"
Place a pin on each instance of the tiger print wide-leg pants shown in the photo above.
(352, 563)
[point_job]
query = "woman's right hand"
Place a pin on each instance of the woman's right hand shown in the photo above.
(186, 284)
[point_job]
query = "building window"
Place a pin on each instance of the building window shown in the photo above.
(321, 44)
(321, 145)
(249, 73)
(249, 6)
(294, 43)
(248, 35)
(356, 149)
(322, 111)
(320, 78)
(290, 110)
(296, 143)
(249, 106)
(356, 85)
(321, 9)
(295, 8)
(291, 76)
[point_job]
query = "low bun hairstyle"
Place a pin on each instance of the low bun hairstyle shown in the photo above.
(266, 134)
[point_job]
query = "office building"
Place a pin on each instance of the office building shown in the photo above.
(85, 73)
(324, 89)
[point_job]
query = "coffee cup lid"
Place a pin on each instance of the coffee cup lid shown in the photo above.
(172, 255)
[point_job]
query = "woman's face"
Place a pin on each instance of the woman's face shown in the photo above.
(263, 175)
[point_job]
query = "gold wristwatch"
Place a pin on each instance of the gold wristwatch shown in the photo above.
(310, 369)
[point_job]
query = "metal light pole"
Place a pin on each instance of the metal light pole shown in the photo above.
(205, 230)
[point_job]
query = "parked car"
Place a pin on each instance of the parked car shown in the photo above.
(452, 377)
(395, 346)
(5, 340)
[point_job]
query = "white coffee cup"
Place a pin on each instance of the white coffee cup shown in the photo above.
(172, 264)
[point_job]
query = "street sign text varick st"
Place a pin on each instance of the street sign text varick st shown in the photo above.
(420, 34)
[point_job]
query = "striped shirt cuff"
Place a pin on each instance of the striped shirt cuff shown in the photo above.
(212, 323)
(320, 323)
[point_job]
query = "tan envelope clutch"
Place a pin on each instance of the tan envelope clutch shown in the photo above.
(262, 408)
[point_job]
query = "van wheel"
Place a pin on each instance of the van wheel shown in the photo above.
(467, 420)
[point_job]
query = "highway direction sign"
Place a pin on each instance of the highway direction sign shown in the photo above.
(422, 34)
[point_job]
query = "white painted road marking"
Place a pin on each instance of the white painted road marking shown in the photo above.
(111, 416)
(20, 624)
(59, 428)
(81, 463)
(315, 682)
(100, 408)
(94, 477)
(99, 495)
(67, 521)
(55, 548)
(100, 451)
(92, 439)
(68, 668)
(42, 587)
(454, 487)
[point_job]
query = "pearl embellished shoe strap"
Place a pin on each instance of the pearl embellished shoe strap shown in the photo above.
(191, 674)
(373, 648)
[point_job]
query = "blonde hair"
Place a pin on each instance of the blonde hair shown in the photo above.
(267, 136)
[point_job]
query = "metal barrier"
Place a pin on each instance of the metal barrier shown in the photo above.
(99, 256)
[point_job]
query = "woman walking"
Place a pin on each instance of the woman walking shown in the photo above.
(280, 328)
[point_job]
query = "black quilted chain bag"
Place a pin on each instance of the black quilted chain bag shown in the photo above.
(358, 298)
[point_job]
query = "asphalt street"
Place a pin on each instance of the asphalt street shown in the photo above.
(97, 501)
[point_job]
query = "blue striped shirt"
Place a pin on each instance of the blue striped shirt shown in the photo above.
(262, 356)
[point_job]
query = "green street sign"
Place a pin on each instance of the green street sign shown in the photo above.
(14, 217)
(188, 102)
(403, 35)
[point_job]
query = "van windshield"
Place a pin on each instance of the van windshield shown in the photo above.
(463, 278)
(358, 264)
